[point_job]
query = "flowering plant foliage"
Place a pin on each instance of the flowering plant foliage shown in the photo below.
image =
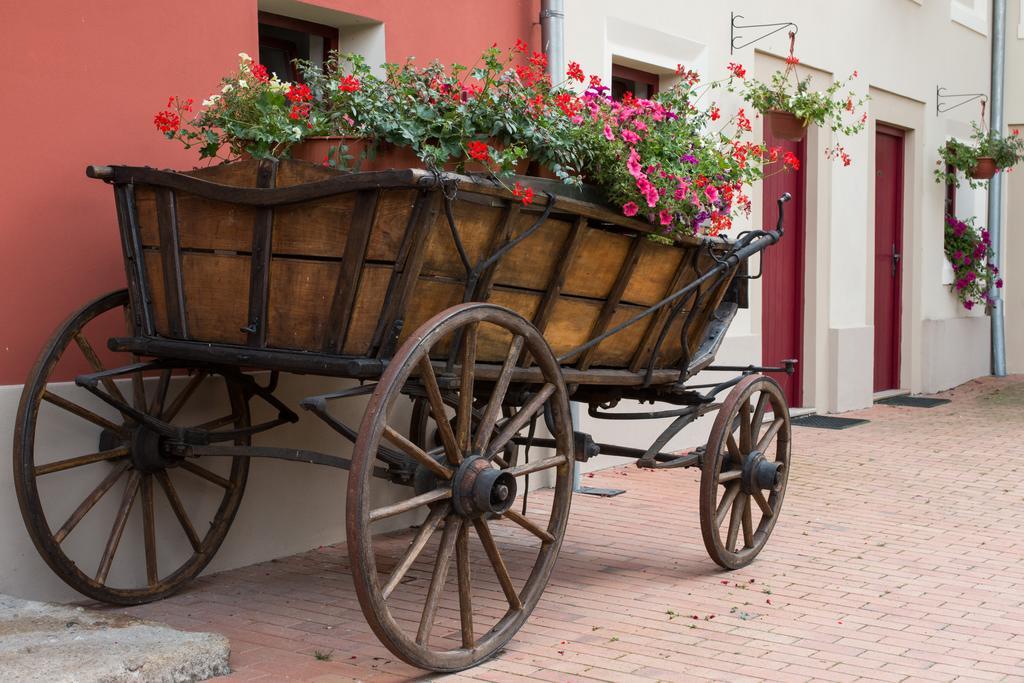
(667, 161)
(956, 157)
(834, 107)
(680, 166)
(253, 113)
(969, 250)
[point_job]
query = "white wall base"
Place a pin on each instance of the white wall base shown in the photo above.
(954, 350)
(851, 357)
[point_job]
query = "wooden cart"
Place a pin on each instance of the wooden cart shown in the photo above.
(450, 301)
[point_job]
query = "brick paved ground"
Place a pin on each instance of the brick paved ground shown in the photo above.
(898, 556)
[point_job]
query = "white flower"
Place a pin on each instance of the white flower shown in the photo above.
(227, 88)
(242, 83)
(298, 131)
(244, 57)
(211, 100)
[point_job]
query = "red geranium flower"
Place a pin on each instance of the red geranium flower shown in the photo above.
(520, 45)
(478, 150)
(349, 84)
(791, 160)
(523, 193)
(737, 69)
(299, 93)
(575, 72)
(259, 72)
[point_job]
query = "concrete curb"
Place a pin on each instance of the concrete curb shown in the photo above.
(45, 642)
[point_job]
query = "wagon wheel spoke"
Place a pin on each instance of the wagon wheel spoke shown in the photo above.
(423, 535)
(734, 522)
(160, 395)
(734, 450)
(519, 420)
(773, 429)
(452, 525)
(416, 453)
(744, 419)
(500, 570)
(206, 474)
(149, 529)
(762, 503)
(529, 525)
(493, 409)
(130, 491)
(90, 501)
(410, 504)
(536, 465)
(171, 411)
(757, 421)
(94, 361)
(82, 412)
(465, 410)
(444, 427)
(69, 463)
(465, 586)
(729, 475)
(748, 524)
(179, 510)
(728, 498)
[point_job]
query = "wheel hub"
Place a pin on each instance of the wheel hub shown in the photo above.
(147, 448)
(761, 474)
(478, 488)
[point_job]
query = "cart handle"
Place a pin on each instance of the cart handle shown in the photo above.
(100, 172)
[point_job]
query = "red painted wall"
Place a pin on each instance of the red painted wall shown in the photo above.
(81, 82)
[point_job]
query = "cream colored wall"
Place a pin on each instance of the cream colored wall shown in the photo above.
(902, 50)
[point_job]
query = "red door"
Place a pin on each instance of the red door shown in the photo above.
(888, 255)
(783, 266)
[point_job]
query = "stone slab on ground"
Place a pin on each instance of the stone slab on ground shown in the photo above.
(44, 642)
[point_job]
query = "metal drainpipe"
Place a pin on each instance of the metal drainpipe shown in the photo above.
(552, 36)
(995, 189)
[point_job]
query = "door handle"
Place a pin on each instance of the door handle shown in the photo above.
(896, 256)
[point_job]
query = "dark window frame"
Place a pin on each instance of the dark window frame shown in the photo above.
(633, 76)
(328, 33)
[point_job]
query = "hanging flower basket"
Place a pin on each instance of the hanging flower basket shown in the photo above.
(786, 126)
(984, 169)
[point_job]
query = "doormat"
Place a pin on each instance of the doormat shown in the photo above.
(827, 422)
(914, 401)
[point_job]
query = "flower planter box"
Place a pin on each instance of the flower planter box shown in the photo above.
(601, 267)
(984, 169)
(786, 126)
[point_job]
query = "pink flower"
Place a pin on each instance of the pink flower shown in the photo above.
(630, 208)
(608, 134)
(633, 163)
(999, 283)
(648, 190)
(711, 192)
(968, 304)
(630, 137)
(665, 217)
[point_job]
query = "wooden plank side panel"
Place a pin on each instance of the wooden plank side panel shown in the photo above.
(300, 302)
(369, 303)
(155, 275)
(217, 289)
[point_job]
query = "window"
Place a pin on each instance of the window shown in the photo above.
(283, 39)
(971, 13)
(634, 81)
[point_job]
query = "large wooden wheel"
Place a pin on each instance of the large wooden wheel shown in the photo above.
(92, 481)
(745, 470)
(464, 489)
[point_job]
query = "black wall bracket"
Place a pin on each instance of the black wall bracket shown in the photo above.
(942, 107)
(734, 37)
